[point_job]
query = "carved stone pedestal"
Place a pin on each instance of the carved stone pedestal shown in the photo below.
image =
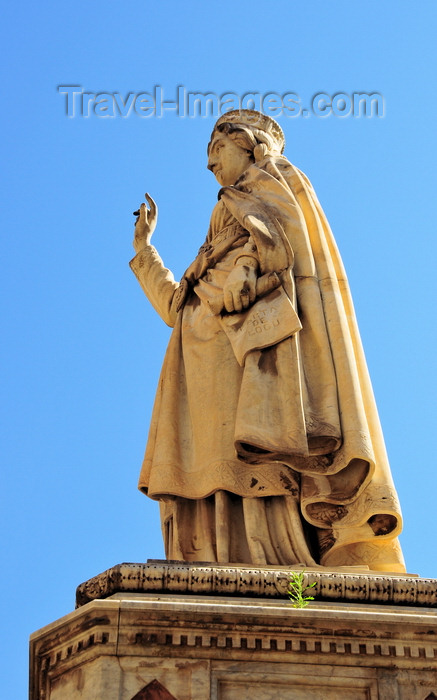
(172, 630)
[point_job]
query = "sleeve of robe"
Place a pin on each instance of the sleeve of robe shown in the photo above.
(157, 282)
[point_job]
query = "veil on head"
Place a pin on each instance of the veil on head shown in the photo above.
(265, 134)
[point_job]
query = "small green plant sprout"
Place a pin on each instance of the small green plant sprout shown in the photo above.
(296, 590)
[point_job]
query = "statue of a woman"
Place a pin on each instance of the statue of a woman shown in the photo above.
(265, 446)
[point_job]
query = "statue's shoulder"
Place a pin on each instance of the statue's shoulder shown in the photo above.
(296, 179)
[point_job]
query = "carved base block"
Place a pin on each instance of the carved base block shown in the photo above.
(195, 646)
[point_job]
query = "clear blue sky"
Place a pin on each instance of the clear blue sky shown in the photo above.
(82, 348)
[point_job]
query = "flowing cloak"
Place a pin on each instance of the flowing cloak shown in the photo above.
(302, 406)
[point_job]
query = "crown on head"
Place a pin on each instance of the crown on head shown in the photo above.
(250, 117)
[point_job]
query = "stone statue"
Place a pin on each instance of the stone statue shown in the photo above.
(265, 446)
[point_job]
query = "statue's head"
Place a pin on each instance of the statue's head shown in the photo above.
(240, 138)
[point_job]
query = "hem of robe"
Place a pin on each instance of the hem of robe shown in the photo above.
(276, 477)
(378, 553)
(247, 481)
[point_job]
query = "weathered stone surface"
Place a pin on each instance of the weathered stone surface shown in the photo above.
(223, 647)
(267, 582)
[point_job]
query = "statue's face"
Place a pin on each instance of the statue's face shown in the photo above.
(227, 160)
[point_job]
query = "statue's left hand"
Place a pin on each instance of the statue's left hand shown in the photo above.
(239, 291)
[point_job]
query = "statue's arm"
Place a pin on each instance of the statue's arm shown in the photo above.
(156, 280)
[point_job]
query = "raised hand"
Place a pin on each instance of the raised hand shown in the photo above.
(145, 223)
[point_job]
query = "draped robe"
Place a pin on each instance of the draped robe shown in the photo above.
(279, 457)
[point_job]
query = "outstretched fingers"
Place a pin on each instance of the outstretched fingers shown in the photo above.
(152, 205)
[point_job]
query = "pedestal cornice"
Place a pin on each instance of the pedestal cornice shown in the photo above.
(348, 585)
